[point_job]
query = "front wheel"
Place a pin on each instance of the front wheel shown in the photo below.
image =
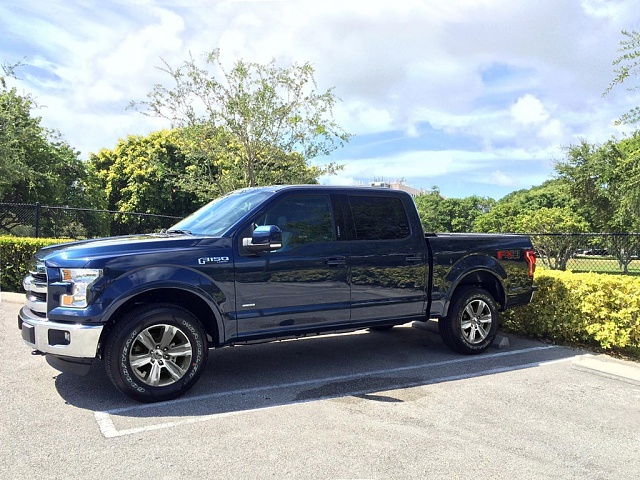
(156, 353)
(472, 322)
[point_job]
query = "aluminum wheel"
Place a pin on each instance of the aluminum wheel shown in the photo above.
(476, 321)
(160, 355)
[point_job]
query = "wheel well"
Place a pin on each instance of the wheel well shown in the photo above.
(486, 281)
(182, 298)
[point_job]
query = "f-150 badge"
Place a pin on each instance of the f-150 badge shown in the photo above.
(205, 260)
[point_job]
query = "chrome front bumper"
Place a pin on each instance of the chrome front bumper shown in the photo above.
(60, 339)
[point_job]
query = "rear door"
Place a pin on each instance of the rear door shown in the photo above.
(303, 285)
(387, 260)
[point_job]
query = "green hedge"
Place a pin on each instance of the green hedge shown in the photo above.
(582, 308)
(15, 253)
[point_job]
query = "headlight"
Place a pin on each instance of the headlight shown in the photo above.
(80, 280)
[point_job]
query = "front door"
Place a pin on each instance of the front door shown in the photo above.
(300, 287)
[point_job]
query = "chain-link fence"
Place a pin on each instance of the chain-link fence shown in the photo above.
(29, 220)
(589, 252)
(578, 252)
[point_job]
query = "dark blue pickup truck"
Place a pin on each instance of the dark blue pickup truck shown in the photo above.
(264, 264)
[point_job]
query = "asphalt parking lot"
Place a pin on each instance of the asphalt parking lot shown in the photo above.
(376, 405)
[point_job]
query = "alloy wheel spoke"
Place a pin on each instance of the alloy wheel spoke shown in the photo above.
(174, 370)
(469, 311)
(154, 374)
(167, 336)
(481, 332)
(180, 350)
(147, 340)
(138, 361)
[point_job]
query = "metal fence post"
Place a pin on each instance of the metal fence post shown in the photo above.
(37, 219)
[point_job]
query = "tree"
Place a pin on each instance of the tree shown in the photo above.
(142, 175)
(502, 217)
(604, 180)
(215, 166)
(20, 134)
(553, 245)
(439, 214)
(36, 164)
(270, 113)
(627, 66)
(428, 206)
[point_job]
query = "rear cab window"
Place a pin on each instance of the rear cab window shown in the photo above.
(378, 217)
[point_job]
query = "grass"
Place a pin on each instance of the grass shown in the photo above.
(600, 264)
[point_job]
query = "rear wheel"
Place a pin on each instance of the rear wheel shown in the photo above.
(156, 353)
(472, 322)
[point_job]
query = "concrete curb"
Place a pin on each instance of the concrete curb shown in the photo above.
(10, 297)
(606, 366)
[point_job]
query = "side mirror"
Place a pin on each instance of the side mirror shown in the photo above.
(264, 239)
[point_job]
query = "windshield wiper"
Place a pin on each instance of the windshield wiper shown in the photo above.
(176, 231)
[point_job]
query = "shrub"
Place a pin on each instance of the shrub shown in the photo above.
(15, 254)
(582, 308)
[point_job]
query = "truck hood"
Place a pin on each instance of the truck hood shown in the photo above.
(80, 254)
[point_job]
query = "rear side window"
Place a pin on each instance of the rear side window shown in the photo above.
(379, 218)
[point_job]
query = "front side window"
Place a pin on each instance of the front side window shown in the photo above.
(379, 218)
(302, 219)
(220, 215)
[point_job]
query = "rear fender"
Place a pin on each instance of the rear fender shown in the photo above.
(477, 269)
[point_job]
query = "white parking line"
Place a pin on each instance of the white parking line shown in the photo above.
(108, 429)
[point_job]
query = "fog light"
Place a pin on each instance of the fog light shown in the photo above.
(59, 337)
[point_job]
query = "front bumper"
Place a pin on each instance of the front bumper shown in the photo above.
(59, 339)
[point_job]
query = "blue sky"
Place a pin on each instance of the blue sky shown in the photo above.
(475, 97)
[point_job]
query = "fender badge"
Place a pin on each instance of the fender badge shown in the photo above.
(205, 260)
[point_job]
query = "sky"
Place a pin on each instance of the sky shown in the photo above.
(475, 97)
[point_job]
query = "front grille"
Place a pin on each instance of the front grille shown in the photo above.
(35, 286)
(41, 277)
(40, 297)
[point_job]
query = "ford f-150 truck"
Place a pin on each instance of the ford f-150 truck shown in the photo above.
(264, 264)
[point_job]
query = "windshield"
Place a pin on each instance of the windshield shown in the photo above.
(217, 217)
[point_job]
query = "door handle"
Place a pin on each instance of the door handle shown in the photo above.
(335, 261)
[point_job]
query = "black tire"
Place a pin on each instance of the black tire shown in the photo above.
(471, 324)
(156, 353)
(381, 328)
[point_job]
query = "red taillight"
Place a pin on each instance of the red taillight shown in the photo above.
(530, 257)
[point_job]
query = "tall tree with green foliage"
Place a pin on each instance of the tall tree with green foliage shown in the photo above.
(36, 164)
(215, 166)
(143, 175)
(554, 251)
(18, 130)
(604, 180)
(274, 116)
(627, 68)
(503, 216)
(456, 215)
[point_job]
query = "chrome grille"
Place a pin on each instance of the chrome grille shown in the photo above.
(35, 286)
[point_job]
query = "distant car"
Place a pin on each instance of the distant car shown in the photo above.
(596, 251)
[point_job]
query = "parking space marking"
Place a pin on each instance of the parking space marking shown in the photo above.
(109, 430)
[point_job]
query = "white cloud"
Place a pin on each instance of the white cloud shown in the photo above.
(529, 110)
(519, 78)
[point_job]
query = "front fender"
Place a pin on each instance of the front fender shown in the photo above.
(127, 287)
